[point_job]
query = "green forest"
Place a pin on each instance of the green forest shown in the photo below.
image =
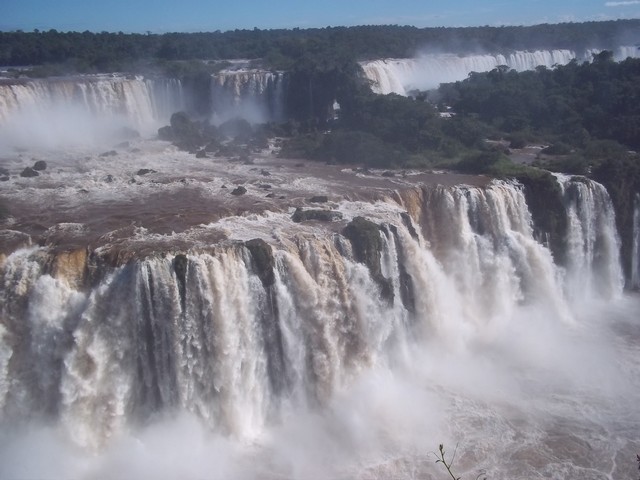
(90, 52)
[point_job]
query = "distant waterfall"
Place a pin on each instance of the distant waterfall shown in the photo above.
(635, 247)
(256, 95)
(428, 71)
(137, 100)
(235, 339)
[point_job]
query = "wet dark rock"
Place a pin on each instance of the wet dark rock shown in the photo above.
(223, 186)
(110, 153)
(109, 179)
(271, 195)
(407, 290)
(319, 199)
(180, 265)
(301, 215)
(166, 133)
(4, 179)
(239, 190)
(4, 210)
(366, 243)
(40, 165)
(388, 173)
(263, 260)
(236, 127)
(83, 190)
(186, 134)
(201, 154)
(4, 172)
(265, 186)
(145, 171)
(212, 147)
(406, 220)
(29, 172)
(265, 173)
(545, 201)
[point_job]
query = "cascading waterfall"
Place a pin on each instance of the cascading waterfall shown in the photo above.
(255, 95)
(204, 332)
(593, 244)
(424, 72)
(139, 101)
(245, 335)
(635, 247)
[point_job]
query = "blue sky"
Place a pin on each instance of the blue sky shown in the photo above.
(208, 15)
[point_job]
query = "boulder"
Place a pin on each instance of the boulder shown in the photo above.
(236, 127)
(29, 172)
(301, 215)
(166, 133)
(319, 199)
(240, 190)
(144, 171)
(201, 154)
(110, 153)
(40, 165)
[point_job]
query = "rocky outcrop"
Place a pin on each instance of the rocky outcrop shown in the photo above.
(180, 264)
(263, 260)
(544, 198)
(184, 133)
(29, 172)
(319, 199)
(145, 171)
(40, 165)
(407, 292)
(301, 215)
(240, 190)
(366, 243)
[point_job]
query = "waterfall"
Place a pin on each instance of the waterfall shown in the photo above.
(246, 335)
(427, 71)
(138, 101)
(635, 246)
(592, 244)
(256, 95)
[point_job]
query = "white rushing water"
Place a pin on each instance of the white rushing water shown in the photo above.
(635, 247)
(427, 71)
(55, 112)
(255, 95)
(200, 365)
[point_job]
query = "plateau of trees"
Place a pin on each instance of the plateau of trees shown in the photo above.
(282, 49)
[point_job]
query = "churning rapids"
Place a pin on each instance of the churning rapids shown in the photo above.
(152, 325)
